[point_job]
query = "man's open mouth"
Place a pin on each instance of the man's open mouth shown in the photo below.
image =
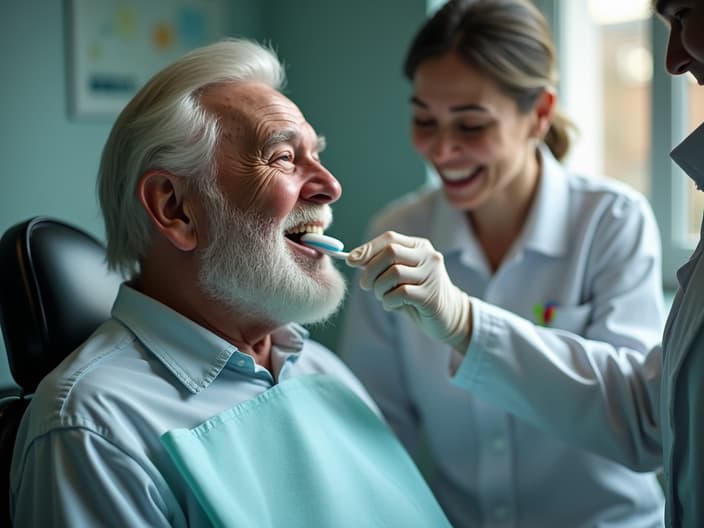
(294, 234)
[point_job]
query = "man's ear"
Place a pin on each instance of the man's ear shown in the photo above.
(543, 110)
(166, 203)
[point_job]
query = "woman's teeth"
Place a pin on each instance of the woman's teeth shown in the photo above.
(458, 174)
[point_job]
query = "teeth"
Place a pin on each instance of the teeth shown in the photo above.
(305, 228)
(457, 175)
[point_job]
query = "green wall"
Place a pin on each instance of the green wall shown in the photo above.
(343, 59)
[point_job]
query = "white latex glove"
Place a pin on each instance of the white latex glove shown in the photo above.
(407, 274)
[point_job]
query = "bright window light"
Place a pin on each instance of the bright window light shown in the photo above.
(618, 11)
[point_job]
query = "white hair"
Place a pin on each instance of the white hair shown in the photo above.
(297, 289)
(165, 127)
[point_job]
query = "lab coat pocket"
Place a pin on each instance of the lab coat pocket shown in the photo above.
(572, 318)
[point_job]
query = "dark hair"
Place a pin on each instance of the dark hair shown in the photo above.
(508, 40)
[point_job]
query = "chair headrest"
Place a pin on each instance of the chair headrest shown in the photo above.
(55, 290)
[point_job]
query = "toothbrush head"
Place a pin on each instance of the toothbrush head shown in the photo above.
(324, 244)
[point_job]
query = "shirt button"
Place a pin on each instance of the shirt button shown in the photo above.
(241, 362)
(498, 444)
(501, 512)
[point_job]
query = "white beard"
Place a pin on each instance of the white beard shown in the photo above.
(248, 267)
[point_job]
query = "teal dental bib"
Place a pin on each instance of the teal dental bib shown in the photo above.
(306, 453)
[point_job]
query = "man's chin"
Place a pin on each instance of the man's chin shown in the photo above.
(290, 294)
(320, 314)
(319, 307)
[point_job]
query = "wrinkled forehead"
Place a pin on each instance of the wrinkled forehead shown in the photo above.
(251, 108)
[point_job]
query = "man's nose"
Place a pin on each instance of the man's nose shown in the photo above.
(321, 186)
(677, 59)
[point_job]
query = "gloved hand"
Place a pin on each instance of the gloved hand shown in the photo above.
(407, 274)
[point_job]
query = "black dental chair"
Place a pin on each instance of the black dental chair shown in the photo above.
(55, 289)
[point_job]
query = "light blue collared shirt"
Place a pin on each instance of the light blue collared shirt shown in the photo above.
(584, 272)
(88, 450)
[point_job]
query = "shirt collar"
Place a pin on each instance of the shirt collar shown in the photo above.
(688, 155)
(545, 226)
(189, 351)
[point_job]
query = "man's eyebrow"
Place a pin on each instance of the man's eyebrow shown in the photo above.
(458, 108)
(284, 135)
(290, 135)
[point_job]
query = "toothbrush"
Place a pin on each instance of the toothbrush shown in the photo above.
(325, 244)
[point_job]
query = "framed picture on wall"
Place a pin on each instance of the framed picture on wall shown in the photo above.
(115, 46)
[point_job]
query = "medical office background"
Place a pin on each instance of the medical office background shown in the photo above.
(343, 62)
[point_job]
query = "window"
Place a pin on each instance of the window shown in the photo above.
(630, 112)
(695, 105)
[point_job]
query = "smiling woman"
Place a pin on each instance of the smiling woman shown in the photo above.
(510, 252)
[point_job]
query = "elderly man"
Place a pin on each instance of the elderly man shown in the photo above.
(200, 401)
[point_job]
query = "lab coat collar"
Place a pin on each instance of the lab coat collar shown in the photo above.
(546, 229)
